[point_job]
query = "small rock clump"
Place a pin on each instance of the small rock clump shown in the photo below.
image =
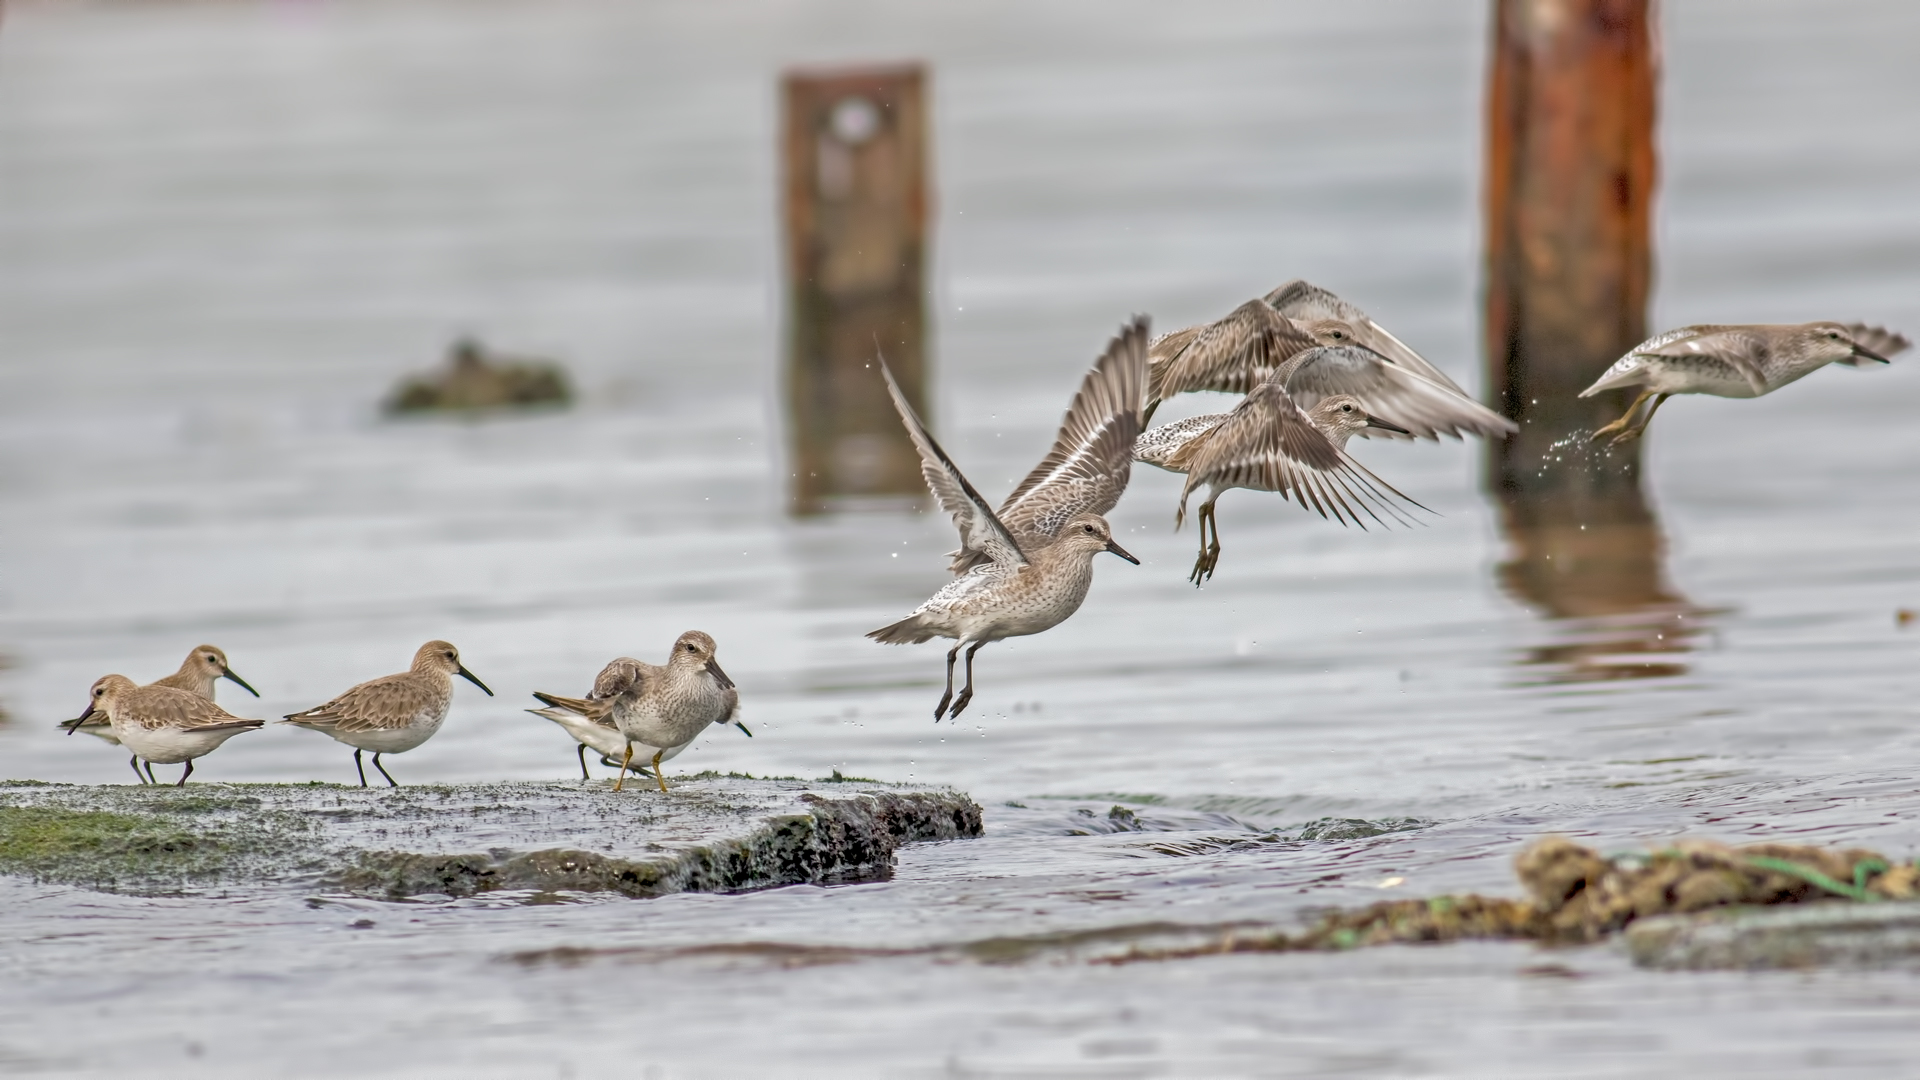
(474, 380)
(1576, 896)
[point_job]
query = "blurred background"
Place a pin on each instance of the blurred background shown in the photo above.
(229, 231)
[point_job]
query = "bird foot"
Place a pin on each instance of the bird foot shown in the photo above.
(961, 703)
(1203, 566)
(940, 710)
(1601, 433)
(1627, 436)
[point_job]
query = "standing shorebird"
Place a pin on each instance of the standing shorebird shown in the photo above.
(660, 708)
(163, 725)
(1268, 443)
(1734, 362)
(1027, 568)
(394, 713)
(203, 668)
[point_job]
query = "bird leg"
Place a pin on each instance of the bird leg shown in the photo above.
(184, 773)
(359, 768)
(1209, 545)
(1635, 431)
(391, 782)
(151, 779)
(941, 709)
(658, 776)
(584, 774)
(135, 762)
(1621, 424)
(966, 694)
(624, 762)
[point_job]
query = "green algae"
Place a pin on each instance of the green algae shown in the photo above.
(711, 834)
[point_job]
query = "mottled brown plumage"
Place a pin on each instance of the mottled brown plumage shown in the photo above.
(1023, 580)
(394, 713)
(163, 725)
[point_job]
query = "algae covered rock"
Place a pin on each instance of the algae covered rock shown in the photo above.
(711, 834)
(475, 380)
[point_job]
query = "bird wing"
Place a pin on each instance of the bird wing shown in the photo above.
(598, 711)
(1737, 348)
(1267, 443)
(164, 706)
(1879, 339)
(387, 702)
(622, 675)
(982, 536)
(1092, 457)
(1299, 299)
(1389, 392)
(1233, 354)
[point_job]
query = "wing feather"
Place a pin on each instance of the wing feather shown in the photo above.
(390, 701)
(982, 536)
(1232, 354)
(1268, 444)
(1389, 392)
(1299, 299)
(1734, 347)
(1087, 468)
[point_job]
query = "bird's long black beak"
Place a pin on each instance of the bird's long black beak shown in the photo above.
(1861, 350)
(1374, 421)
(743, 729)
(1122, 552)
(227, 673)
(468, 675)
(73, 725)
(713, 669)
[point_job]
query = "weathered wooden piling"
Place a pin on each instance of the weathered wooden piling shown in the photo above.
(1570, 180)
(856, 209)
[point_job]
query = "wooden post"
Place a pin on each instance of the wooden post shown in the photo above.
(856, 208)
(1570, 178)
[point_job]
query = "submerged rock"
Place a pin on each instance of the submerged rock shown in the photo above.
(709, 834)
(1874, 937)
(473, 380)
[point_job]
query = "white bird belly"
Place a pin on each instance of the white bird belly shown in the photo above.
(172, 745)
(394, 740)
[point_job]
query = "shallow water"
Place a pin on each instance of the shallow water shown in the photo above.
(227, 229)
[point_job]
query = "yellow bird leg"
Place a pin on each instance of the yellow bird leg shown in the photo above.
(624, 762)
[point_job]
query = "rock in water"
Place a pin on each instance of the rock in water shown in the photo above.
(709, 835)
(474, 380)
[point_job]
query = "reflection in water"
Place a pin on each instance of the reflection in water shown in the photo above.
(1587, 551)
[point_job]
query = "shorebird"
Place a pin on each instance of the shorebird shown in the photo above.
(394, 713)
(1236, 353)
(659, 708)
(1268, 443)
(1734, 362)
(205, 666)
(163, 725)
(1027, 568)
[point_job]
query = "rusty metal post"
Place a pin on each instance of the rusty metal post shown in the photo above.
(856, 208)
(1570, 179)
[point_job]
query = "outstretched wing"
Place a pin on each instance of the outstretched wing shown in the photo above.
(1299, 299)
(1232, 354)
(391, 701)
(982, 536)
(1092, 457)
(1737, 349)
(1390, 392)
(1267, 444)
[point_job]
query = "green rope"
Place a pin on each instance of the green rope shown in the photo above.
(1814, 877)
(1865, 869)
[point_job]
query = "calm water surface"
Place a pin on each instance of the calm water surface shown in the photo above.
(228, 228)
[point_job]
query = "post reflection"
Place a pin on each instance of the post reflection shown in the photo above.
(1598, 572)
